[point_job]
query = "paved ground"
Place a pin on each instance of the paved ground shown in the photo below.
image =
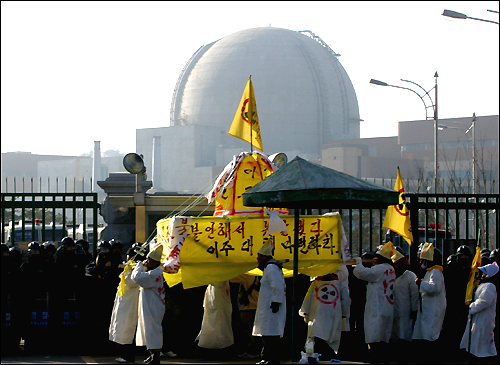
(62, 359)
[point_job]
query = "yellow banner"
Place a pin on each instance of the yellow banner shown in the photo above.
(473, 276)
(245, 124)
(397, 217)
(220, 248)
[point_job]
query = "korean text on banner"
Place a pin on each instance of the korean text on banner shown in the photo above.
(219, 248)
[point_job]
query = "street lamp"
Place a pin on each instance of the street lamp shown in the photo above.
(457, 15)
(434, 106)
(471, 129)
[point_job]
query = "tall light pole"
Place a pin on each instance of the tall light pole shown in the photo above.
(434, 106)
(471, 129)
(457, 15)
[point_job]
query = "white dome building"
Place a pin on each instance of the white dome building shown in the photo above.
(304, 96)
(304, 99)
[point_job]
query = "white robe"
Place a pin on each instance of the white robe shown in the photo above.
(379, 307)
(216, 331)
(323, 307)
(151, 306)
(405, 301)
(343, 275)
(124, 317)
(272, 289)
(483, 309)
(430, 320)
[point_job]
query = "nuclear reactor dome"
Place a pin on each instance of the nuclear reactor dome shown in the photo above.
(304, 96)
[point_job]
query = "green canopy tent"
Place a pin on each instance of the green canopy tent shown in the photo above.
(301, 184)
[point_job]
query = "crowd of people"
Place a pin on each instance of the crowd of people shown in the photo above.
(379, 310)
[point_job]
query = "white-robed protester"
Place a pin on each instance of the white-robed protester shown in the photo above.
(270, 316)
(216, 331)
(325, 304)
(406, 301)
(149, 276)
(483, 311)
(379, 308)
(433, 303)
(124, 317)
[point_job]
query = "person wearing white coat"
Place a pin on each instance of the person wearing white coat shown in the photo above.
(216, 331)
(149, 277)
(483, 312)
(326, 303)
(432, 307)
(430, 316)
(270, 316)
(124, 317)
(379, 308)
(406, 301)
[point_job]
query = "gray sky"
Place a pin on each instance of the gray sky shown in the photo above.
(76, 72)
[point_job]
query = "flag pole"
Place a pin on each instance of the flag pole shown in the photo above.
(470, 321)
(250, 98)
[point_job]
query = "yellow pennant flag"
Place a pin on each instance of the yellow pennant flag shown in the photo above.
(245, 124)
(397, 217)
(473, 276)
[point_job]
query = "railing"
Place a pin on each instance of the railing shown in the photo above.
(458, 217)
(48, 208)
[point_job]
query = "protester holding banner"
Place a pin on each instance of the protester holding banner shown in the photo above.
(125, 312)
(482, 313)
(379, 308)
(326, 303)
(149, 276)
(271, 308)
(433, 303)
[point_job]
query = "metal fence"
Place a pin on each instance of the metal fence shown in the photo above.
(20, 211)
(448, 220)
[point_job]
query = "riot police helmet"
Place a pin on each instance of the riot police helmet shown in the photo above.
(5, 249)
(83, 244)
(49, 247)
(464, 250)
(494, 255)
(68, 242)
(103, 246)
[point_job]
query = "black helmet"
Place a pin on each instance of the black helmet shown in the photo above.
(33, 247)
(464, 250)
(84, 244)
(67, 242)
(103, 246)
(494, 255)
(5, 249)
(451, 260)
(49, 247)
(16, 252)
(368, 255)
(115, 244)
(485, 259)
(485, 250)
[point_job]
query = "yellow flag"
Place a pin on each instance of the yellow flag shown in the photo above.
(473, 276)
(245, 124)
(397, 217)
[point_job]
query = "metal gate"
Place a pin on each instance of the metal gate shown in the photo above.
(22, 210)
(448, 220)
